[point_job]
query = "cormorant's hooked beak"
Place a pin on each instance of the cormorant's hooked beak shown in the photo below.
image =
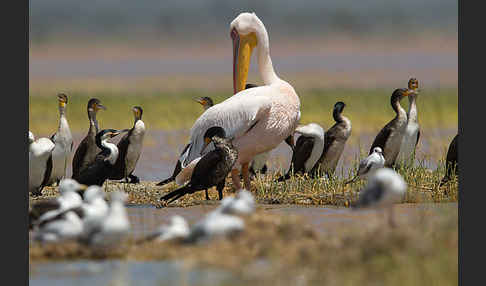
(62, 100)
(243, 46)
(201, 101)
(113, 134)
(100, 106)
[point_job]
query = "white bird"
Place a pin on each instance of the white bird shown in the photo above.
(94, 207)
(65, 225)
(385, 187)
(68, 200)
(307, 150)
(63, 141)
(369, 165)
(178, 228)
(215, 224)
(411, 135)
(241, 204)
(113, 228)
(40, 163)
(258, 118)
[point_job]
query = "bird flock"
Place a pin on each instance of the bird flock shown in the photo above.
(233, 137)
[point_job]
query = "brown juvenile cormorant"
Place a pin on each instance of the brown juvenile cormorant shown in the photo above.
(64, 144)
(87, 150)
(389, 139)
(129, 149)
(212, 169)
(334, 141)
(98, 171)
(451, 161)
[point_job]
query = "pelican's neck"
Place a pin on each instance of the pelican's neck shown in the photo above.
(412, 109)
(265, 65)
(113, 151)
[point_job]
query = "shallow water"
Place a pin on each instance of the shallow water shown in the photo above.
(115, 272)
(146, 219)
(162, 149)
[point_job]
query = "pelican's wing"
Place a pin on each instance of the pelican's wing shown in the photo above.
(236, 115)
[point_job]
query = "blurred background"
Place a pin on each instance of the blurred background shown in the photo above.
(162, 54)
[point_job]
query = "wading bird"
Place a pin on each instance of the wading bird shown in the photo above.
(389, 139)
(129, 149)
(40, 163)
(114, 226)
(63, 141)
(177, 229)
(385, 187)
(369, 165)
(101, 168)
(412, 131)
(334, 141)
(87, 150)
(258, 118)
(307, 150)
(212, 168)
(69, 198)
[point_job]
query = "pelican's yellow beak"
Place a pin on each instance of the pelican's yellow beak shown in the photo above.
(243, 46)
(83, 187)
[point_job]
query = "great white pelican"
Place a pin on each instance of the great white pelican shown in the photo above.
(257, 119)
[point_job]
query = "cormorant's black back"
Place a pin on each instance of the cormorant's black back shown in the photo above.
(120, 165)
(97, 172)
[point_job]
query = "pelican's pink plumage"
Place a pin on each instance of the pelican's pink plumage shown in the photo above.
(258, 119)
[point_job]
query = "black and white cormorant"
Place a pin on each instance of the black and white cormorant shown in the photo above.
(451, 161)
(101, 168)
(87, 150)
(212, 169)
(389, 139)
(64, 144)
(129, 150)
(412, 131)
(40, 163)
(307, 150)
(334, 141)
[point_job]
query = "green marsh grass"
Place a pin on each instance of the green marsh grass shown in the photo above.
(368, 109)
